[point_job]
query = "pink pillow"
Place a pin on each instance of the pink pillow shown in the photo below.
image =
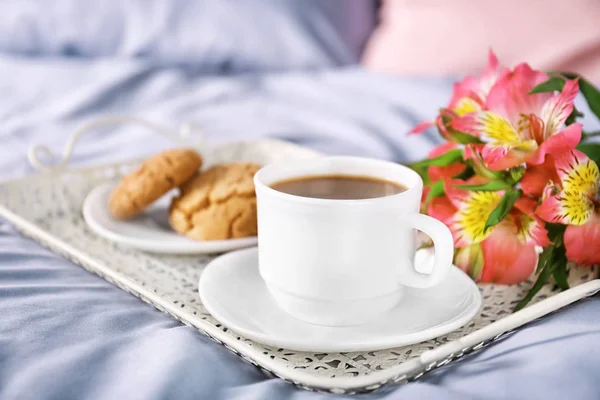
(441, 37)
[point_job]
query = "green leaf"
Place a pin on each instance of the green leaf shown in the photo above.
(554, 84)
(587, 135)
(560, 276)
(437, 190)
(516, 174)
(552, 262)
(423, 173)
(503, 208)
(555, 230)
(572, 118)
(589, 92)
(544, 258)
(592, 96)
(482, 171)
(555, 233)
(537, 286)
(592, 150)
(463, 138)
(466, 174)
(457, 136)
(491, 186)
(559, 269)
(445, 159)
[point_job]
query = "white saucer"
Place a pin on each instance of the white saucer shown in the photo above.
(149, 231)
(232, 290)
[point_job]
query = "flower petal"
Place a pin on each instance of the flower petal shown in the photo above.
(447, 172)
(442, 149)
(550, 190)
(448, 115)
(488, 125)
(577, 172)
(470, 260)
(531, 229)
(442, 209)
(493, 64)
(424, 194)
(526, 205)
(465, 89)
(583, 241)
(556, 109)
(568, 207)
(421, 127)
(456, 196)
(510, 95)
(470, 94)
(473, 151)
(558, 143)
(492, 72)
(501, 157)
(474, 208)
(537, 176)
(506, 259)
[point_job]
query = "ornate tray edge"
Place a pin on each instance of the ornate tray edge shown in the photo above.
(403, 373)
(60, 168)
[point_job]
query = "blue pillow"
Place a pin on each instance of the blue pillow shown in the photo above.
(211, 35)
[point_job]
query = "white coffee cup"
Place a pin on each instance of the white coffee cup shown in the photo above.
(343, 262)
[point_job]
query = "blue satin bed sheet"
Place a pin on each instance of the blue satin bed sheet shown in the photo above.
(67, 334)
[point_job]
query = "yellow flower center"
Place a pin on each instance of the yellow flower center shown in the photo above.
(576, 206)
(583, 178)
(499, 130)
(474, 214)
(580, 189)
(465, 106)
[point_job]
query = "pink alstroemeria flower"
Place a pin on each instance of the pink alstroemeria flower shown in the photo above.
(575, 204)
(537, 177)
(504, 253)
(521, 127)
(468, 96)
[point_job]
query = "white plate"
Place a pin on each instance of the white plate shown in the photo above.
(150, 230)
(232, 290)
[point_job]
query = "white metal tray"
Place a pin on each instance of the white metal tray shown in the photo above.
(47, 208)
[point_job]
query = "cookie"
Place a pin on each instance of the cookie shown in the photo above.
(154, 178)
(217, 204)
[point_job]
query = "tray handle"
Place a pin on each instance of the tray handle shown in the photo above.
(43, 159)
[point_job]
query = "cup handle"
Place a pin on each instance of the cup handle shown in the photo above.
(444, 251)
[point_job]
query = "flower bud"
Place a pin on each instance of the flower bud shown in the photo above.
(470, 260)
(473, 153)
(517, 173)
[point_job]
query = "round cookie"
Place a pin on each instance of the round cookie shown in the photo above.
(154, 178)
(217, 204)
